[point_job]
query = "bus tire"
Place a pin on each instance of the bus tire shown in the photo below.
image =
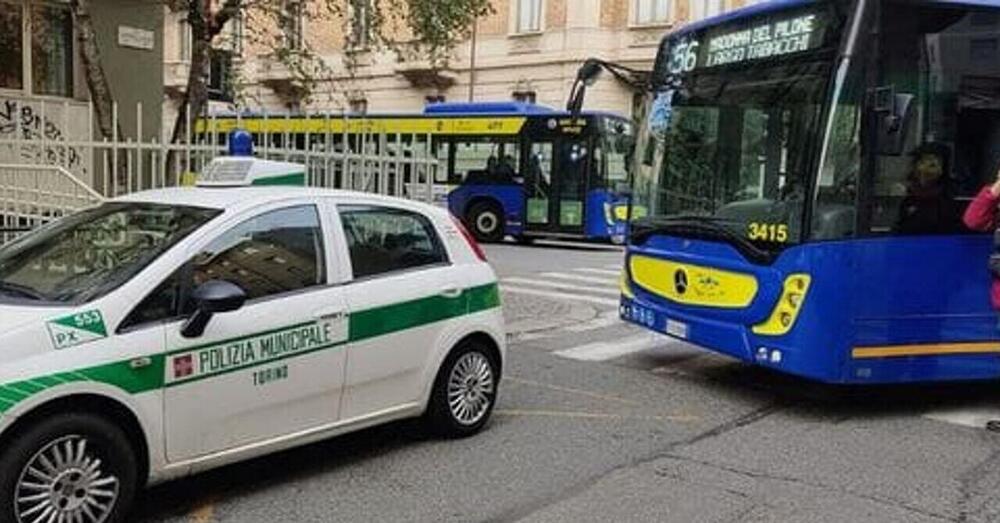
(69, 463)
(465, 392)
(486, 221)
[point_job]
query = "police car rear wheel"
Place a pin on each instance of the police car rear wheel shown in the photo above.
(464, 393)
(70, 467)
(486, 221)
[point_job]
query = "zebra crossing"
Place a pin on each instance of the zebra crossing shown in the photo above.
(657, 354)
(589, 285)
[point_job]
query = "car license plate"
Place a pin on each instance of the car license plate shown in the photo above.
(677, 329)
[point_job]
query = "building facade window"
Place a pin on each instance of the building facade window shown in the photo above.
(701, 9)
(360, 24)
(11, 45)
(652, 11)
(529, 16)
(236, 29)
(292, 25)
(358, 105)
(525, 96)
(36, 48)
(184, 40)
(52, 50)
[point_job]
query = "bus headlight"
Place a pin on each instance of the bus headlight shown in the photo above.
(787, 310)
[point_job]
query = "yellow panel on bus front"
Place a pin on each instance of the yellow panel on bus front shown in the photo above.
(693, 284)
(449, 126)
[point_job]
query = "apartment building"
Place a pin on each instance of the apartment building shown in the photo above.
(526, 50)
(43, 89)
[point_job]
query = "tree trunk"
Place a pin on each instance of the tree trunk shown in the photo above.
(97, 80)
(195, 99)
(100, 91)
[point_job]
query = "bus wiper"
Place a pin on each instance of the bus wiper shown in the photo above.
(22, 291)
(706, 227)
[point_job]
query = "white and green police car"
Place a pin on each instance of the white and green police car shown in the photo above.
(173, 331)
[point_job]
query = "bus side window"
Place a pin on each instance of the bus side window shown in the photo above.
(954, 147)
(486, 160)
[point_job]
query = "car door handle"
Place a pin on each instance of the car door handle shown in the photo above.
(140, 363)
(331, 314)
(451, 292)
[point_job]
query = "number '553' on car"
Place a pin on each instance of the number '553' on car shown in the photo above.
(173, 331)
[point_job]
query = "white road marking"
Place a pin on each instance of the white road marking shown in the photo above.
(616, 267)
(580, 278)
(534, 282)
(610, 350)
(970, 416)
(599, 322)
(608, 302)
(606, 272)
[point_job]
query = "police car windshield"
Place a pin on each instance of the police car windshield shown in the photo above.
(84, 256)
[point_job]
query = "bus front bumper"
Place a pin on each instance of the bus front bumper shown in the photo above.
(724, 337)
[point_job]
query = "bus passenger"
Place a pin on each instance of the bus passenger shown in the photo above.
(981, 215)
(925, 209)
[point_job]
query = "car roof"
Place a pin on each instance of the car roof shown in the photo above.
(240, 198)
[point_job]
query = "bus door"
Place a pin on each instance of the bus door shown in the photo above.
(555, 184)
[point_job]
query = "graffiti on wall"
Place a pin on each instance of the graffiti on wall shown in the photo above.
(23, 127)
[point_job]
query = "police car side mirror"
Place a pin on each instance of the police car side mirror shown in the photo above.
(212, 297)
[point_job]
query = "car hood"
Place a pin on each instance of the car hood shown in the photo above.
(15, 317)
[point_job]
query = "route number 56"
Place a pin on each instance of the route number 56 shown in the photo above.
(684, 57)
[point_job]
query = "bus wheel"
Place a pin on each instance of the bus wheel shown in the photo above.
(69, 467)
(486, 221)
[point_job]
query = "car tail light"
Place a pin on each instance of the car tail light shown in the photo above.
(473, 244)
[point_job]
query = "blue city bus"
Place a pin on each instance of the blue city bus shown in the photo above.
(558, 176)
(802, 168)
(505, 168)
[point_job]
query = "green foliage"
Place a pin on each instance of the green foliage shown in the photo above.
(437, 25)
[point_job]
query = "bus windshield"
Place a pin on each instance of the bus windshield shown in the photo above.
(731, 139)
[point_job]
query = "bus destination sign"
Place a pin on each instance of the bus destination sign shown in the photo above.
(770, 39)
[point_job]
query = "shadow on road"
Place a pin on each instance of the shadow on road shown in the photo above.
(178, 498)
(736, 378)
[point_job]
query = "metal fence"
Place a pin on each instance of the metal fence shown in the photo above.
(52, 164)
(32, 195)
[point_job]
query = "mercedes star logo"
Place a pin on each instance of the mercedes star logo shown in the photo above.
(681, 281)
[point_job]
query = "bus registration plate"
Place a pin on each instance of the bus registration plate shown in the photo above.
(677, 329)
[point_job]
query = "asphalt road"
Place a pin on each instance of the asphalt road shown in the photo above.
(598, 421)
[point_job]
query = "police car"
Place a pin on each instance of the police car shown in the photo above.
(169, 332)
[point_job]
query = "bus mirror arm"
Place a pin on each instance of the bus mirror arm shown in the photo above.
(895, 113)
(591, 70)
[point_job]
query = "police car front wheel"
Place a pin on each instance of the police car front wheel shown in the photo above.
(69, 467)
(465, 392)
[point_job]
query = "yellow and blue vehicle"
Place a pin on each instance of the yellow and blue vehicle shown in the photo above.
(504, 168)
(558, 176)
(803, 167)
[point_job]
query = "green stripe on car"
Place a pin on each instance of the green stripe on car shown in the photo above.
(362, 325)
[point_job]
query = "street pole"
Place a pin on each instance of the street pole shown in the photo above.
(472, 61)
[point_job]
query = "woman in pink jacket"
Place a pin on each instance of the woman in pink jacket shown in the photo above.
(982, 216)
